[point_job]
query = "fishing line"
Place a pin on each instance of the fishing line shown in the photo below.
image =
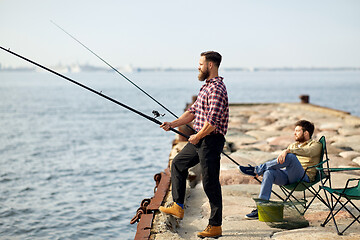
(131, 82)
(92, 90)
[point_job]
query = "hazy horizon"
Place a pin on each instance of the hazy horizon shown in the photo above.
(165, 34)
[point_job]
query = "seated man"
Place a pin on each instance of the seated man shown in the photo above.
(289, 166)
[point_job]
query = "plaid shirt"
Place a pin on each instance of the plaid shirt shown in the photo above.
(212, 106)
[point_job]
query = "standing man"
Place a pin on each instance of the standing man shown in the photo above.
(290, 165)
(210, 113)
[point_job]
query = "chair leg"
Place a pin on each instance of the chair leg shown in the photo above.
(356, 219)
(288, 195)
(307, 204)
(316, 195)
(332, 215)
(331, 206)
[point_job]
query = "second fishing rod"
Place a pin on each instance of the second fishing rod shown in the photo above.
(126, 78)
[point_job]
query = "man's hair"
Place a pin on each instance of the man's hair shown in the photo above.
(306, 126)
(212, 56)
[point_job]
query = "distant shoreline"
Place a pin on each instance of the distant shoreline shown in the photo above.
(88, 68)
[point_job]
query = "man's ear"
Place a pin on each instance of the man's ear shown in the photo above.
(307, 135)
(210, 65)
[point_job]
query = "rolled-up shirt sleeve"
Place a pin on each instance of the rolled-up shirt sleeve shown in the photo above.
(192, 108)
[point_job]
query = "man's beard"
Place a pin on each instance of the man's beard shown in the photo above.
(203, 75)
(300, 139)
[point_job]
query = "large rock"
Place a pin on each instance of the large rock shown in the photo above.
(230, 177)
(357, 160)
(227, 164)
(239, 138)
(327, 133)
(347, 143)
(349, 131)
(261, 146)
(263, 135)
(254, 157)
(242, 126)
(337, 161)
(261, 120)
(282, 141)
(349, 155)
(330, 125)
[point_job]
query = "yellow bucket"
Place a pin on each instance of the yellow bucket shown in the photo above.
(270, 211)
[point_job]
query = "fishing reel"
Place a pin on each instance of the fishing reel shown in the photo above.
(157, 114)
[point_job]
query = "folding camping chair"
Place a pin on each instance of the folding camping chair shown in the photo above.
(347, 194)
(303, 186)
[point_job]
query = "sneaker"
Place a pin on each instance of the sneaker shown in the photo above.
(252, 215)
(210, 231)
(174, 210)
(250, 170)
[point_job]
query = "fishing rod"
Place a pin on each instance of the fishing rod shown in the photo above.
(92, 90)
(131, 82)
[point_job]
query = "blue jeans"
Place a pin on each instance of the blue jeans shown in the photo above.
(281, 174)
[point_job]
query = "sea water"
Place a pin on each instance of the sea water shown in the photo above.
(74, 165)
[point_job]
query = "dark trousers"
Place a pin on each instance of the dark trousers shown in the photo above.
(207, 153)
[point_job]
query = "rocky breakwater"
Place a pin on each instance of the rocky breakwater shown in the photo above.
(257, 133)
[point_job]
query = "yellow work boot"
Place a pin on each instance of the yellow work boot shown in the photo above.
(174, 210)
(210, 231)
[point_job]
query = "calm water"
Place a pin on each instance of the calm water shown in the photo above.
(76, 166)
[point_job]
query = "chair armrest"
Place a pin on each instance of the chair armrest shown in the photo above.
(318, 164)
(353, 179)
(329, 170)
(307, 168)
(350, 180)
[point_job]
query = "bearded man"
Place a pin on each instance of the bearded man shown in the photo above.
(210, 113)
(290, 165)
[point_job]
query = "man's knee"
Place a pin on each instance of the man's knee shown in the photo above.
(269, 174)
(177, 166)
(291, 157)
(277, 177)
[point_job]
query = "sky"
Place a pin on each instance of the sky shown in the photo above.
(143, 33)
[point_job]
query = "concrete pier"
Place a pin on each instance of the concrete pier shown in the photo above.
(257, 133)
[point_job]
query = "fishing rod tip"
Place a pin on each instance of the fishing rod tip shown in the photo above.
(53, 22)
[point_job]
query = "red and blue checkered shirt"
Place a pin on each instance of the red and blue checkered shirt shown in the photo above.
(212, 106)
